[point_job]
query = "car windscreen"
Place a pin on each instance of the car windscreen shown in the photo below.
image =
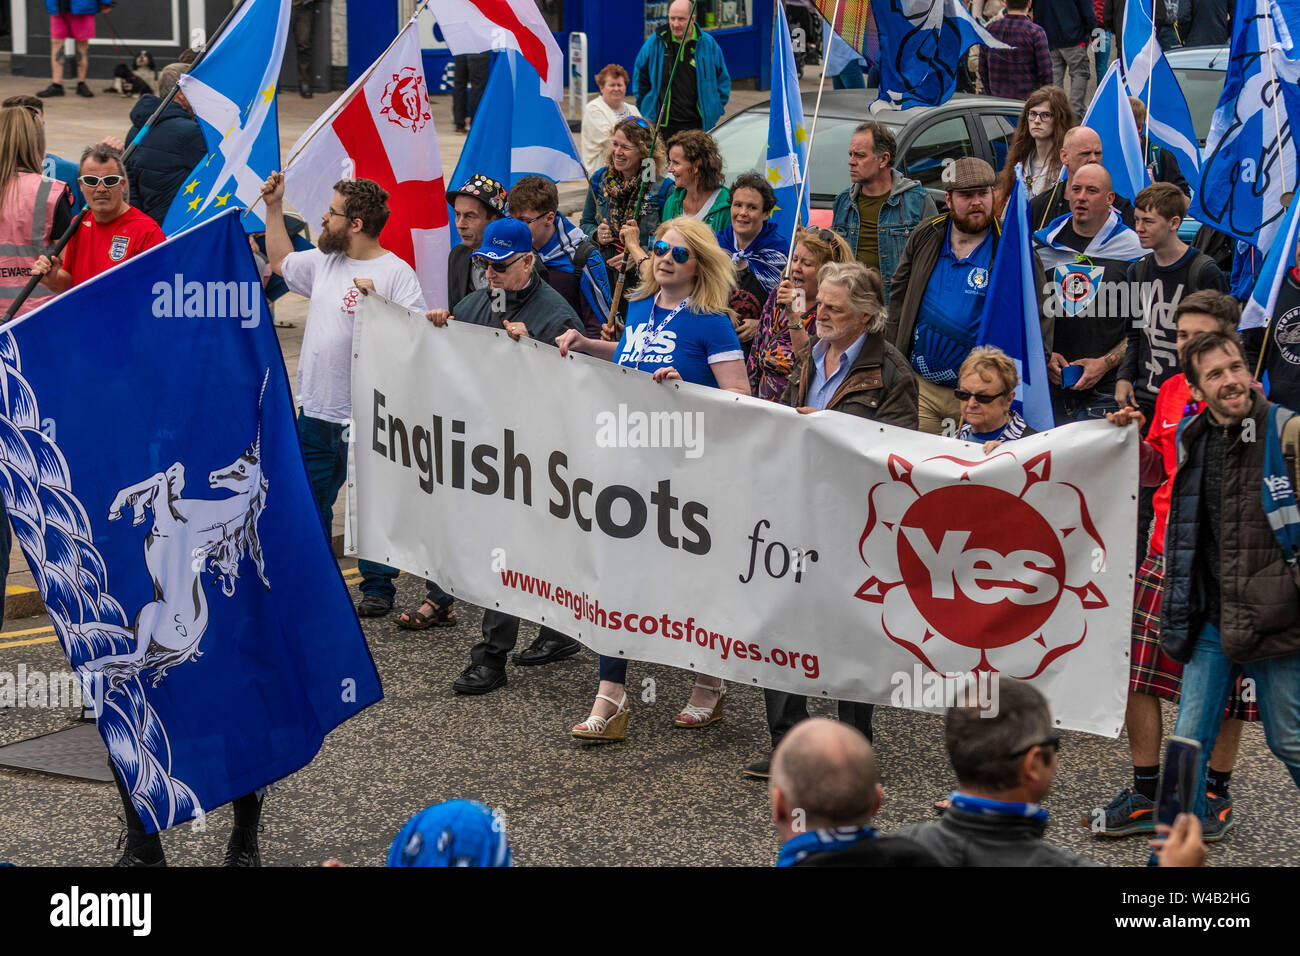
(1201, 89)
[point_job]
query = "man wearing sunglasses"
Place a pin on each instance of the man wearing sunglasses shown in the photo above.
(520, 302)
(113, 231)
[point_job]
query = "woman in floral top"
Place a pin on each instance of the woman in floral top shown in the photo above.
(771, 358)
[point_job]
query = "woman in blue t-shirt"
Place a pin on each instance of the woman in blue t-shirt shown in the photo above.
(678, 327)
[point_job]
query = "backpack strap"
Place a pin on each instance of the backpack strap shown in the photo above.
(1196, 274)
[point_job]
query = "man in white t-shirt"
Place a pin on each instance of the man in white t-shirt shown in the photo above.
(348, 262)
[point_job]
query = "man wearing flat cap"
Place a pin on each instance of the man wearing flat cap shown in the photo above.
(937, 293)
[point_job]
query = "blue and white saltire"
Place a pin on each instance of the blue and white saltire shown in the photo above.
(1149, 78)
(1259, 308)
(171, 527)
(1113, 241)
(787, 139)
(535, 142)
(1010, 320)
(1249, 160)
(1111, 118)
(922, 43)
(232, 93)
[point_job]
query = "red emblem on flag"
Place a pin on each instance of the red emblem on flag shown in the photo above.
(405, 101)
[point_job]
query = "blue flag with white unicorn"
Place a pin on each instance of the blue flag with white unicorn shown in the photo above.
(1149, 78)
(1249, 160)
(1111, 118)
(232, 91)
(787, 139)
(922, 43)
(170, 525)
(1010, 320)
(534, 142)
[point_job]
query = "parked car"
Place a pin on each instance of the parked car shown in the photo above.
(1200, 71)
(929, 137)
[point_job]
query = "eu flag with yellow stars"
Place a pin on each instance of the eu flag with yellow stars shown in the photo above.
(787, 139)
(232, 92)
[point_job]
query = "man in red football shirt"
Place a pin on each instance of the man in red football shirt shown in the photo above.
(113, 231)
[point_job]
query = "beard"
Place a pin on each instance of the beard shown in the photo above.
(331, 242)
(971, 223)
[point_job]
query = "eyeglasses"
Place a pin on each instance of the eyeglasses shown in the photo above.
(1053, 742)
(529, 222)
(680, 256)
(1042, 115)
(331, 211)
(93, 182)
(502, 267)
(964, 396)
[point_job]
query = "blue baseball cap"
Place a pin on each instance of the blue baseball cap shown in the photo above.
(505, 239)
(455, 833)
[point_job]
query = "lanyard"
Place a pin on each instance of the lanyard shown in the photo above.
(652, 331)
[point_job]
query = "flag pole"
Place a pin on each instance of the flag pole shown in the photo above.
(166, 101)
(812, 136)
(625, 271)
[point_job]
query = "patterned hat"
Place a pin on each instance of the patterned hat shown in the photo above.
(486, 190)
(969, 172)
(455, 833)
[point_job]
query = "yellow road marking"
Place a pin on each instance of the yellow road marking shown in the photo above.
(47, 629)
(4, 645)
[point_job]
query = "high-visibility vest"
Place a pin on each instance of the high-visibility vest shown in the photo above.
(26, 222)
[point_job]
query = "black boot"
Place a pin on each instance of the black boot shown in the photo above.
(142, 849)
(304, 79)
(242, 850)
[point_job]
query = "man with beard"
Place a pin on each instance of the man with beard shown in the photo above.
(348, 261)
(937, 293)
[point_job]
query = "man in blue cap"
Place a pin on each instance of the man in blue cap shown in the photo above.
(520, 302)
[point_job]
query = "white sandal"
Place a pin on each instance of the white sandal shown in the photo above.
(694, 716)
(613, 727)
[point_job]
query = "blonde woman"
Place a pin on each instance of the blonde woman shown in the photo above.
(31, 206)
(686, 280)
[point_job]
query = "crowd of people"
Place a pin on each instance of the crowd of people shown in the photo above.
(876, 317)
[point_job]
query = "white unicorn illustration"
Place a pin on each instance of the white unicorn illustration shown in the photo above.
(188, 535)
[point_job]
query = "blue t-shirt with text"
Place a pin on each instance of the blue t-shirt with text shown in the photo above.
(690, 343)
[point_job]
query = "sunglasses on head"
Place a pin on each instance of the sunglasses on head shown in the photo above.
(644, 124)
(964, 396)
(94, 181)
(680, 256)
(1053, 742)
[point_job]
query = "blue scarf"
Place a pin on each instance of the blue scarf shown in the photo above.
(1013, 429)
(996, 808)
(799, 848)
(1279, 495)
(765, 256)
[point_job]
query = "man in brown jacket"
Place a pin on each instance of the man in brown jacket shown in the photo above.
(849, 368)
(1232, 582)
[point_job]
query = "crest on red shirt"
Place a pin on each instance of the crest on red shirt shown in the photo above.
(117, 250)
(405, 101)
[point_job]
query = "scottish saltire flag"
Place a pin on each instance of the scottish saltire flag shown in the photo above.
(1249, 160)
(536, 139)
(232, 92)
(170, 525)
(922, 43)
(1111, 117)
(787, 140)
(1260, 306)
(1149, 78)
(1010, 320)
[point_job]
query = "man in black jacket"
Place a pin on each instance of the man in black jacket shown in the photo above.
(824, 794)
(520, 302)
(479, 201)
(174, 145)
(1082, 146)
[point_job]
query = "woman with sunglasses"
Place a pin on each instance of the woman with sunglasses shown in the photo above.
(986, 385)
(790, 313)
(29, 205)
(612, 200)
(685, 283)
(1036, 146)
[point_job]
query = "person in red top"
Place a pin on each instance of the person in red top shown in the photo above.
(113, 231)
(1152, 674)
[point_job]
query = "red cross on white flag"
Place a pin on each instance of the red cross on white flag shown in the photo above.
(475, 26)
(382, 129)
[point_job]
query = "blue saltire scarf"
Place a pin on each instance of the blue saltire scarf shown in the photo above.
(996, 808)
(766, 255)
(797, 849)
(1278, 492)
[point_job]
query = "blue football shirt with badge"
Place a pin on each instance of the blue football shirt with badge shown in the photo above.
(690, 343)
(948, 320)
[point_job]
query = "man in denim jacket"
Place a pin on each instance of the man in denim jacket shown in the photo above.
(892, 204)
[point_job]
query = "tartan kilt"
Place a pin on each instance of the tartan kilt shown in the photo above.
(1151, 671)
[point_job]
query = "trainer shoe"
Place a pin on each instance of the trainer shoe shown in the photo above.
(1127, 814)
(1218, 818)
(759, 769)
(83, 90)
(54, 89)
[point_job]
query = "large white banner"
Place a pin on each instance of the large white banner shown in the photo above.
(820, 554)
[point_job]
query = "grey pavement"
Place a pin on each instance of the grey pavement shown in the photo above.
(664, 797)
